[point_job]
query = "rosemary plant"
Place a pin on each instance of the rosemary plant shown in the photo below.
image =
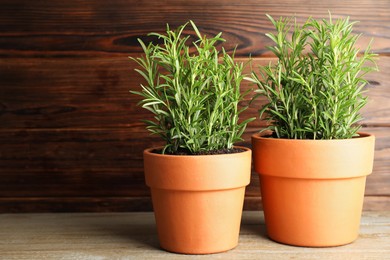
(314, 90)
(194, 97)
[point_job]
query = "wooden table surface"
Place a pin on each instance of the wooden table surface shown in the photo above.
(133, 236)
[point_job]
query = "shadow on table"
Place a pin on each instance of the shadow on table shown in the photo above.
(138, 230)
(130, 230)
(252, 223)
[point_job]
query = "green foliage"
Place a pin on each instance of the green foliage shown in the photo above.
(194, 96)
(315, 89)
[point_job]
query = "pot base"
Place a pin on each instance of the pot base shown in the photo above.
(312, 213)
(310, 245)
(197, 222)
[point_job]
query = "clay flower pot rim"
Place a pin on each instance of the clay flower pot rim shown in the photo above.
(266, 136)
(314, 159)
(151, 149)
(197, 172)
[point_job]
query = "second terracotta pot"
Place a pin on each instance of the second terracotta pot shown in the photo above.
(198, 200)
(313, 190)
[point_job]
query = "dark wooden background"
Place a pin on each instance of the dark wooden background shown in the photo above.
(70, 132)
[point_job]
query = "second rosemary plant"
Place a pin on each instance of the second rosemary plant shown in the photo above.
(315, 89)
(193, 91)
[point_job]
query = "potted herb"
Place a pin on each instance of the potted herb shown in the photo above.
(313, 161)
(198, 178)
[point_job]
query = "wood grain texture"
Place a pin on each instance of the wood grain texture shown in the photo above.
(70, 132)
(78, 204)
(129, 204)
(97, 26)
(134, 236)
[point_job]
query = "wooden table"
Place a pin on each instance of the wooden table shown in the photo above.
(133, 236)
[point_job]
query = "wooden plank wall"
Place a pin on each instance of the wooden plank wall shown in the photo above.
(70, 132)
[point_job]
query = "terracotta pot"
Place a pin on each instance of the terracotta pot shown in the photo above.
(313, 190)
(198, 200)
